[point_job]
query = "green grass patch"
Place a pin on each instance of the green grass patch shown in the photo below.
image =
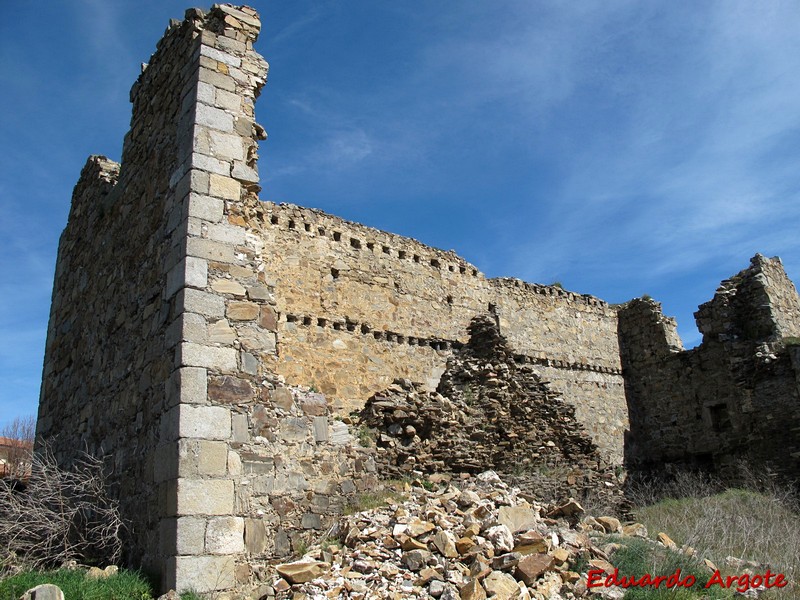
(740, 523)
(760, 524)
(638, 557)
(125, 585)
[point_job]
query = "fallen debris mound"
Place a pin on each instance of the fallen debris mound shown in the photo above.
(488, 412)
(469, 540)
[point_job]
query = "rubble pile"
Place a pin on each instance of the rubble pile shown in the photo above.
(488, 412)
(469, 540)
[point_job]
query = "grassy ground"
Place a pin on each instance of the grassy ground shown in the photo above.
(758, 526)
(126, 585)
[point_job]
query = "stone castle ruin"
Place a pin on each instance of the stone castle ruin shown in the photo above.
(213, 346)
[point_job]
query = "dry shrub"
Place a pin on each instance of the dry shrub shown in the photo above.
(59, 516)
(759, 523)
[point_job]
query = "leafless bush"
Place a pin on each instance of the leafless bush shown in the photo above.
(59, 516)
(17, 447)
(758, 521)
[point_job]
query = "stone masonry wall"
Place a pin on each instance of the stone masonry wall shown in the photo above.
(358, 308)
(734, 397)
(161, 345)
(107, 358)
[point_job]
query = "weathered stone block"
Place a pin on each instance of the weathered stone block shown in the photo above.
(225, 535)
(218, 359)
(205, 208)
(230, 389)
(203, 303)
(224, 187)
(201, 497)
(242, 311)
(214, 118)
(200, 573)
(182, 535)
(228, 286)
(227, 146)
(187, 385)
(210, 249)
(201, 457)
(206, 422)
(255, 536)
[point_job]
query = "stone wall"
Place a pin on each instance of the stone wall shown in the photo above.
(735, 397)
(212, 345)
(358, 307)
(162, 345)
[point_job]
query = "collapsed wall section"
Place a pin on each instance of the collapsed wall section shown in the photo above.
(735, 397)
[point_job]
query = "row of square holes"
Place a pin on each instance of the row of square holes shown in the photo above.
(562, 364)
(356, 243)
(365, 329)
(335, 275)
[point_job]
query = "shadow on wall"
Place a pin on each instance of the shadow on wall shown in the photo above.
(734, 397)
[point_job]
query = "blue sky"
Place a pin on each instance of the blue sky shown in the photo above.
(621, 148)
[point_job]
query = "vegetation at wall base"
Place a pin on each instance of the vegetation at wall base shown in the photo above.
(737, 529)
(125, 585)
(637, 557)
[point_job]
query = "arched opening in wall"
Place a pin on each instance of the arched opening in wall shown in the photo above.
(354, 243)
(307, 226)
(435, 263)
(449, 299)
(365, 329)
(462, 270)
(291, 224)
(370, 245)
(401, 254)
(451, 268)
(307, 321)
(351, 326)
(274, 219)
(335, 273)
(321, 230)
(386, 250)
(338, 326)
(322, 322)
(416, 258)
(474, 272)
(337, 236)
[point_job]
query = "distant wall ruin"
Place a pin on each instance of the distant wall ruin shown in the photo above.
(733, 398)
(183, 307)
